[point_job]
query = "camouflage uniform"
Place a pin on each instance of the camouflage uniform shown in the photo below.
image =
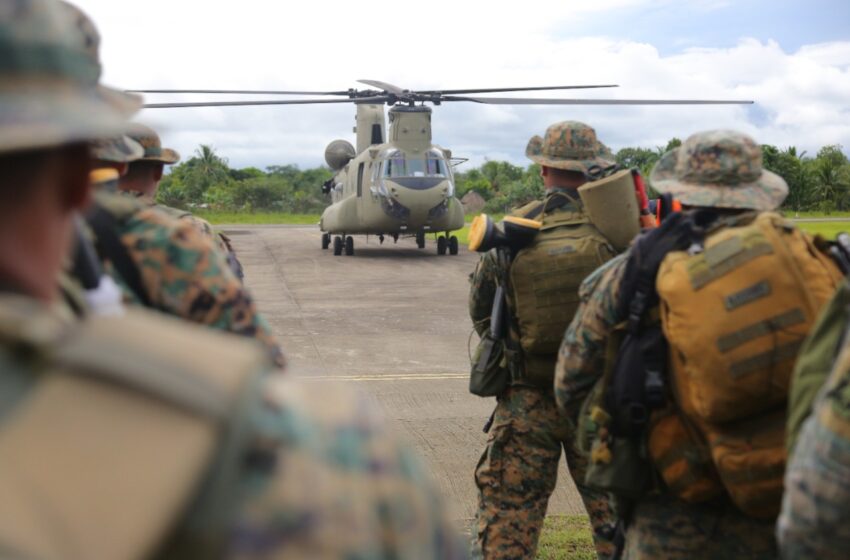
(312, 472)
(518, 470)
(815, 518)
(721, 169)
(154, 152)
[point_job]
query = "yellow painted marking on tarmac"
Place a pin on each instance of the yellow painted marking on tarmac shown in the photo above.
(414, 377)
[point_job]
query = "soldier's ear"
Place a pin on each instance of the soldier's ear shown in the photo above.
(544, 171)
(76, 164)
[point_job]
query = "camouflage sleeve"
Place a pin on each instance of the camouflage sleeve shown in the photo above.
(338, 485)
(815, 517)
(482, 290)
(581, 357)
(185, 275)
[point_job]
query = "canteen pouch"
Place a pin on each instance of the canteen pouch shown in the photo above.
(750, 459)
(681, 458)
(489, 375)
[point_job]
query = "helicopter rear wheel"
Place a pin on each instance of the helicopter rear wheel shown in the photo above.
(337, 246)
(326, 240)
(349, 245)
(441, 245)
(420, 239)
(453, 245)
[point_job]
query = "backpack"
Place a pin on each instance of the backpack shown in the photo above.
(119, 431)
(544, 279)
(735, 313)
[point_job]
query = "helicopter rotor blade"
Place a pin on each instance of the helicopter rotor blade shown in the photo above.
(378, 99)
(388, 88)
(498, 90)
(238, 91)
(544, 101)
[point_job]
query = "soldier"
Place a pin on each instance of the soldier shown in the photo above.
(518, 470)
(143, 178)
(160, 261)
(734, 309)
(815, 518)
(139, 436)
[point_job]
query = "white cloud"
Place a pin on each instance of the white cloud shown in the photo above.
(801, 96)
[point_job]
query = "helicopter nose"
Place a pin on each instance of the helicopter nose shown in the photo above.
(421, 201)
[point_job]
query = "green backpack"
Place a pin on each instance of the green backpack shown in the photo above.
(545, 278)
(815, 361)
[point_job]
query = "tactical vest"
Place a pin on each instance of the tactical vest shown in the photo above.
(735, 315)
(105, 454)
(544, 280)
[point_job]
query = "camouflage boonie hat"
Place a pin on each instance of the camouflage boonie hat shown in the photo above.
(118, 149)
(152, 145)
(719, 168)
(569, 145)
(49, 92)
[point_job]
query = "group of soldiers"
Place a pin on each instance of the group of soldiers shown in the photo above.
(688, 502)
(128, 432)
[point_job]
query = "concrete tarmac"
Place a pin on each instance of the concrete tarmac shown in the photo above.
(392, 321)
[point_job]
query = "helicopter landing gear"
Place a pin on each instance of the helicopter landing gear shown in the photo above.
(395, 238)
(447, 244)
(337, 246)
(420, 239)
(349, 245)
(381, 238)
(453, 245)
(326, 240)
(442, 244)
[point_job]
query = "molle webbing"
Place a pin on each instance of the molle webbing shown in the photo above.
(765, 359)
(762, 328)
(725, 257)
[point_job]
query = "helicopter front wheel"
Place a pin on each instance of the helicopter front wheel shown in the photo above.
(349, 245)
(337, 246)
(420, 239)
(453, 245)
(442, 245)
(326, 240)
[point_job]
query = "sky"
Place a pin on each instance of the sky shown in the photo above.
(792, 58)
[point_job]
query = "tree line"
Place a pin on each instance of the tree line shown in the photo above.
(816, 183)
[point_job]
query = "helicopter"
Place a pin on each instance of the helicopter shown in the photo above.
(398, 183)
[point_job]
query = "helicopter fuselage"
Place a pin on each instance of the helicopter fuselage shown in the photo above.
(402, 186)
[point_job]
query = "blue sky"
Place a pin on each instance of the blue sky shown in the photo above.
(674, 26)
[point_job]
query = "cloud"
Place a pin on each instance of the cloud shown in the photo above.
(801, 95)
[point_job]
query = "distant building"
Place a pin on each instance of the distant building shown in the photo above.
(473, 203)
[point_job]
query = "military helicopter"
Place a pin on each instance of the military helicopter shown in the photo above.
(399, 183)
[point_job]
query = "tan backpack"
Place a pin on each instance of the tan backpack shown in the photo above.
(106, 452)
(735, 315)
(545, 278)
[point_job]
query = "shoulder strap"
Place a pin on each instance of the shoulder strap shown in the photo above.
(108, 241)
(111, 423)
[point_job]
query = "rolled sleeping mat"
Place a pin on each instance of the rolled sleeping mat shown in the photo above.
(612, 207)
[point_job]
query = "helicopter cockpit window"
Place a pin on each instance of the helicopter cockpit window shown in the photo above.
(431, 164)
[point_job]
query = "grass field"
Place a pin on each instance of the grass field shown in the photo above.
(257, 217)
(566, 538)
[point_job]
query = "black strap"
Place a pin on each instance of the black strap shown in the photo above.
(111, 248)
(554, 201)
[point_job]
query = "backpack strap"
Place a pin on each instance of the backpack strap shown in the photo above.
(105, 225)
(118, 433)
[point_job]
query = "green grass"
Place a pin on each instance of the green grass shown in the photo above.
(566, 537)
(257, 217)
(827, 229)
(804, 215)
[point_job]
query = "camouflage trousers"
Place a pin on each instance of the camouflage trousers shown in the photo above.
(517, 473)
(665, 527)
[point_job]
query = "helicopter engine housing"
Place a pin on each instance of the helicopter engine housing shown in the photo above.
(338, 154)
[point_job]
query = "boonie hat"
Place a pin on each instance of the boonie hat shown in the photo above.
(569, 145)
(118, 149)
(152, 145)
(49, 93)
(719, 168)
